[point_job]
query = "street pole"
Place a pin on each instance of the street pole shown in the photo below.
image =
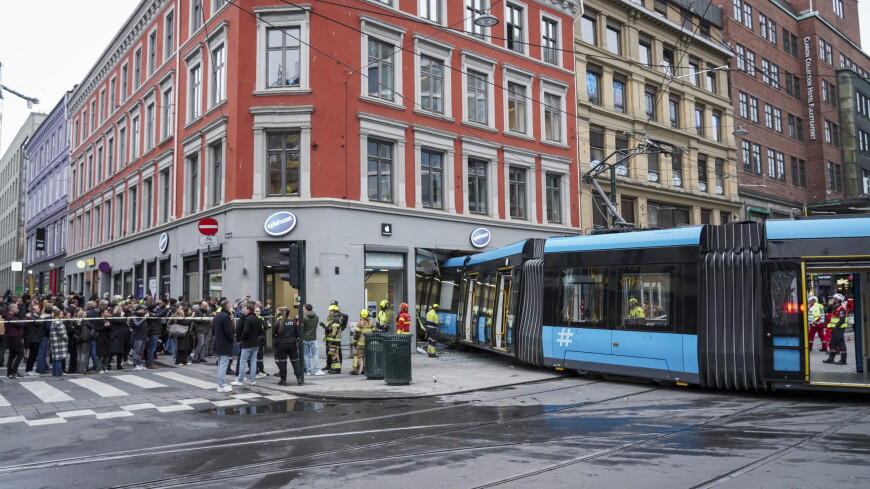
(301, 251)
(613, 193)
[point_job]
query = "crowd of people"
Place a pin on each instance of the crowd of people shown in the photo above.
(72, 335)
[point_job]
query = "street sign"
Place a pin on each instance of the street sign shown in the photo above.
(105, 267)
(208, 226)
(163, 242)
(208, 241)
(17, 266)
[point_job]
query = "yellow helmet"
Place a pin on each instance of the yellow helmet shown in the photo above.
(435, 306)
(632, 300)
(384, 304)
(364, 313)
(333, 307)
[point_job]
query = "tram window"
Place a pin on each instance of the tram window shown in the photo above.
(645, 301)
(787, 315)
(448, 294)
(582, 297)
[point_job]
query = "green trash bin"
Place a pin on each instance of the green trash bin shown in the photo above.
(397, 359)
(374, 355)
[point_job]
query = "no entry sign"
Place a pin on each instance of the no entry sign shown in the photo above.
(208, 226)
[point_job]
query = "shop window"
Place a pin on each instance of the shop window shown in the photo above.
(385, 279)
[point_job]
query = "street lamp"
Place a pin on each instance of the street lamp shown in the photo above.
(486, 20)
(740, 131)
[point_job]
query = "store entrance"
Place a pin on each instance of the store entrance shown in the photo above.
(854, 285)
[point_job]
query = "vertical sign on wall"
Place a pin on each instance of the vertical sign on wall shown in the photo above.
(811, 105)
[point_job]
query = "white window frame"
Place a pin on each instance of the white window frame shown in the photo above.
(389, 34)
(524, 42)
(135, 147)
(169, 112)
(513, 74)
(560, 166)
(441, 141)
(150, 70)
(150, 134)
(443, 52)
(519, 157)
(388, 130)
(218, 40)
(169, 47)
(558, 22)
(190, 147)
(425, 6)
(475, 62)
(192, 21)
(214, 135)
(266, 119)
(283, 17)
(555, 87)
(473, 148)
(193, 61)
(164, 165)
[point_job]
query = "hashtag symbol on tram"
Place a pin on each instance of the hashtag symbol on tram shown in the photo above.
(565, 337)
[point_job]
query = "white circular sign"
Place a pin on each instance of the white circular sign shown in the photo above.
(163, 243)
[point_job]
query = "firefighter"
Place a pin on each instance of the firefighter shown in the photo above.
(332, 336)
(838, 326)
(343, 317)
(363, 327)
(403, 323)
(816, 318)
(431, 330)
(385, 316)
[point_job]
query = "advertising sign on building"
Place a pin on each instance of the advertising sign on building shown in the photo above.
(280, 223)
(40, 239)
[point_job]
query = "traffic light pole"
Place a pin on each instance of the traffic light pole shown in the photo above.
(301, 289)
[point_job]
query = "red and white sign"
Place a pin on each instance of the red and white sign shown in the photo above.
(208, 226)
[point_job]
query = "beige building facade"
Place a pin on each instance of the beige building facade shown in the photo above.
(656, 71)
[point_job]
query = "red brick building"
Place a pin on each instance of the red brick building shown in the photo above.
(802, 152)
(376, 132)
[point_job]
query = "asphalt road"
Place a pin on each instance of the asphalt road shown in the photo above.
(568, 432)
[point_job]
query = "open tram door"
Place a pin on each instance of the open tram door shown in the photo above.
(852, 280)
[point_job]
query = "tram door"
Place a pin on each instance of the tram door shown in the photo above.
(783, 328)
(500, 319)
(468, 309)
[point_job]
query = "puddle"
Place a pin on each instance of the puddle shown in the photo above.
(289, 406)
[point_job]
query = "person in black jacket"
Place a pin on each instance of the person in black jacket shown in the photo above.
(224, 338)
(248, 337)
(287, 338)
(156, 318)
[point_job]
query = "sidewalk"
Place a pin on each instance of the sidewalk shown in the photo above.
(453, 372)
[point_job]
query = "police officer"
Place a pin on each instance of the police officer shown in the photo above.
(363, 327)
(816, 319)
(837, 326)
(332, 337)
(634, 309)
(431, 330)
(287, 338)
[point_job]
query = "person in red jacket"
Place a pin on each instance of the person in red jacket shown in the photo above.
(14, 340)
(403, 322)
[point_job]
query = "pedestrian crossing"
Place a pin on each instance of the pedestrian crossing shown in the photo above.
(61, 400)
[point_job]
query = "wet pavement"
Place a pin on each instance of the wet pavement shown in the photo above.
(559, 432)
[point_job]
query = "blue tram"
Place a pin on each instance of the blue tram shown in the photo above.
(716, 306)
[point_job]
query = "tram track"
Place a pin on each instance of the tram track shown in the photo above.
(255, 438)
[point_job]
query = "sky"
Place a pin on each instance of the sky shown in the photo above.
(47, 46)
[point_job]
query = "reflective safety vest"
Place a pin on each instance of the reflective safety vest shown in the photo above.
(363, 327)
(383, 320)
(432, 318)
(636, 312)
(838, 318)
(817, 314)
(333, 329)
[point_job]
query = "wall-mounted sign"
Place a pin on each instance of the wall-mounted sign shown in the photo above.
(40, 239)
(386, 229)
(81, 264)
(480, 238)
(90, 261)
(280, 223)
(811, 105)
(105, 267)
(208, 226)
(163, 242)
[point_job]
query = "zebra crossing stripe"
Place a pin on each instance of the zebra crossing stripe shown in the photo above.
(197, 400)
(99, 388)
(172, 409)
(229, 402)
(44, 421)
(73, 414)
(139, 381)
(12, 419)
(114, 414)
(247, 395)
(281, 397)
(4, 402)
(45, 392)
(138, 407)
(187, 380)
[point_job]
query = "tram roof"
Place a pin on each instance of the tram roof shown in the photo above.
(850, 227)
(509, 250)
(637, 239)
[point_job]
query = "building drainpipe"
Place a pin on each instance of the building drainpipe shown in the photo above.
(174, 168)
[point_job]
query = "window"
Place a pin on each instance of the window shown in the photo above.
(284, 151)
(282, 57)
(218, 89)
(747, 15)
(192, 183)
(124, 92)
(550, 41)
(133, 212)
(152, 52)
(826, 52)
(668, 61)
(596, 144)
(165, 195)
(515, 28)
(750, 63)
(614, 38)
(741, 57)
(552, 117)
(660, 7)
(777, 119)
(744, 105)
(838, 8)
(832, 133)
(835, 177)
(666, 215)
(762, 25)
(802, 168)
(746, 154)
(795, 179)
(694, 76)
(649, 102)
(150, 121)
(583, 297)
(122, 147)
(432, 178)
(216, 153)
(699, 120)
(768, 116)
(645, 51)
(719, 169)
(137, 69)
(677, 169)
(780, 166)
(113, 96)
(517, 185)
(738, 11)
(589, 29)
(194, 93)
(380, 69)
(756, 158)
(771, 31)
(702, 173)
(593, 86)
(646, 298)
(619, 94)
(102, 105)
(711, 80)
(169, 35)
(716, 119)
(554, 198)
(110, 153)
(196, 17)
(799, 125)
(380, 170)
(477, 195)
(432, 84)
(516, 107)
(863, 141)
(865, 180)
(753, 109)
(134, 138)
(166, 114)
(477, 97)
(765, 71)
(473, 10)
(829, 93)
(431, 10)
(120, 230)
(147, 202)
(674, 111)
